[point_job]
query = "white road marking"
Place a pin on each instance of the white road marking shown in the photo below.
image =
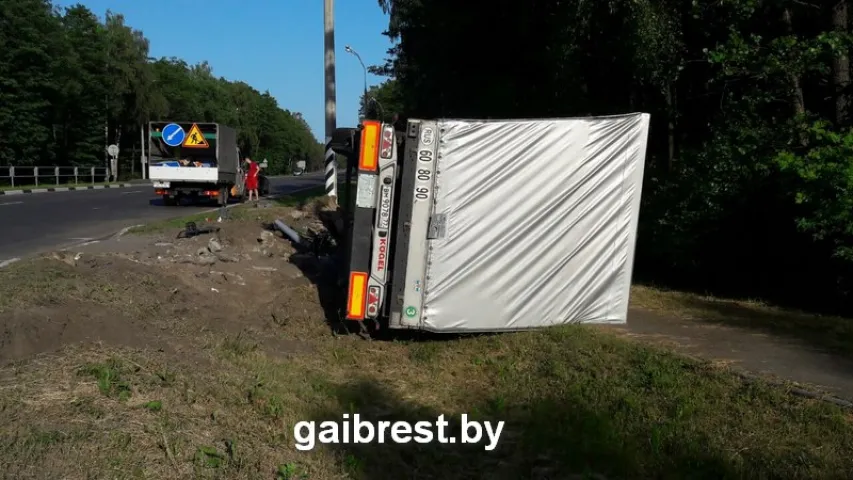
(132, 191)
(82, 239)
(11, 203)
(6, 263)
(88, 243)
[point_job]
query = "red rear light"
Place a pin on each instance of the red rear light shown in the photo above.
(372, 301)
(387, 147)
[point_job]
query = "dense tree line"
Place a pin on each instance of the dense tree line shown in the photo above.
(71, 84)
(749, 183)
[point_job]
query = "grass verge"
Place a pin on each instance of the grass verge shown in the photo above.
(575, 401)
(822, 331)
(236, 212)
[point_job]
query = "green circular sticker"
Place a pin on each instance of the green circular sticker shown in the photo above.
(411, 311)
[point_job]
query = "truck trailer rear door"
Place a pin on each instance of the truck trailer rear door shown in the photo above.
(415, 211)
(381, 241)
(362, 222)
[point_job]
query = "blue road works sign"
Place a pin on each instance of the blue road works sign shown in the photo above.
(173, 135)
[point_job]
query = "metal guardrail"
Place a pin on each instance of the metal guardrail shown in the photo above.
(51, 176)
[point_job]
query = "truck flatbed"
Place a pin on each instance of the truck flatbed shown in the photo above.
(162, 174)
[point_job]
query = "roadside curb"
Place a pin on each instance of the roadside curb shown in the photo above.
(68, 189)
(120, 233)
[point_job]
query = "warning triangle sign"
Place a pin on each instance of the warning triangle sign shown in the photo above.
(195, 139)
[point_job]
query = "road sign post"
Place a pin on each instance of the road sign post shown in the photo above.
(112, 150)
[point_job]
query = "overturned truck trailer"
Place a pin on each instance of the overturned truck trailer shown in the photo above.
(487, 225)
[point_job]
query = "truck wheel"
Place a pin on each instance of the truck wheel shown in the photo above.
(169, 201)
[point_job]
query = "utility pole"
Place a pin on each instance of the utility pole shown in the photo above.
(143, 139)
(331, 164)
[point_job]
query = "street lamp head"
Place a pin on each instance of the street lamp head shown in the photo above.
(348, 49)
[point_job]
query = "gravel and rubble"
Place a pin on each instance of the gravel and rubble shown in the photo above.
(236, 278)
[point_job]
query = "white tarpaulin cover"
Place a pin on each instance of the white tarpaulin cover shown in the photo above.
(541, 222)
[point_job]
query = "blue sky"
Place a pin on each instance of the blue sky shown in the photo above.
(274, 45)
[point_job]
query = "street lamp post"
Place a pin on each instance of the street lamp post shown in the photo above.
(350, 50)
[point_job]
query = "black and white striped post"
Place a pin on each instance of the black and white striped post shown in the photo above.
(331, 164)
(331, 170)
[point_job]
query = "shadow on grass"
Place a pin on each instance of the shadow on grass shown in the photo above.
(542, 438)
(323, 272)
(322, 259)
(582, 404)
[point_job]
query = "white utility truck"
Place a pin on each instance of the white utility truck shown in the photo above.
(196, 160)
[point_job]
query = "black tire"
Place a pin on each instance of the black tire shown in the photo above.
(170, 201)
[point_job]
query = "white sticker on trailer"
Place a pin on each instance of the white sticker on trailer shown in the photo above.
(162, 184)
(365, 195)
(424, 173)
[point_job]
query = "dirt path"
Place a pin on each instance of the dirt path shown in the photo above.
(747, 349)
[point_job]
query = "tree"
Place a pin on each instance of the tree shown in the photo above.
(80, 106)
(30, 59)
(382, 102)
(749, 179)
(70, 85)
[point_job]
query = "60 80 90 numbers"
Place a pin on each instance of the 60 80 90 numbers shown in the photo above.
(424, 175)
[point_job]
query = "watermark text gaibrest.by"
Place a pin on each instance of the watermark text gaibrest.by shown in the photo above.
(353, 430)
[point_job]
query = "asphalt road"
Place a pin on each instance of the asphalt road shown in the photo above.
(36, 222)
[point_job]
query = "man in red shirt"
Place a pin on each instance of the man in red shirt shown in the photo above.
(252, 171)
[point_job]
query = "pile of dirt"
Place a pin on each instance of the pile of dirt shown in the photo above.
(178, 295)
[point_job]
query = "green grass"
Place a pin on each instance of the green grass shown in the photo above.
(578, 402)
(575, 402)
(109, 378)
(176, 223)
